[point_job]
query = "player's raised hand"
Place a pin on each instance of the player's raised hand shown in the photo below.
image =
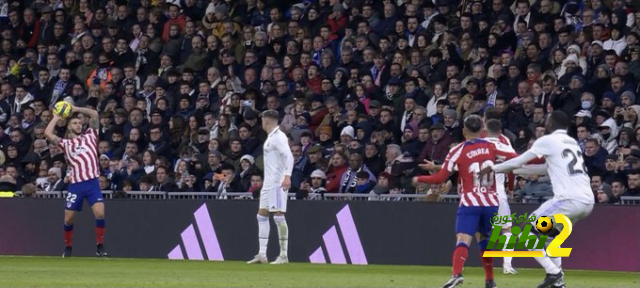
(415, 181)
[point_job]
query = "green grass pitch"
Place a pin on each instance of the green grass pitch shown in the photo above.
(92, 272)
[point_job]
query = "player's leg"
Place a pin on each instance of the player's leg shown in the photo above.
(96, 201)
(575, 211)
(100, 228)
(67, 232)
(263, 229)
(466, 226)
(484, 229)
(554, 274)
(281, 224)
(504, 209)
(73, 204)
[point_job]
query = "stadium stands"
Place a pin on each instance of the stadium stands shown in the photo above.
(180, 85)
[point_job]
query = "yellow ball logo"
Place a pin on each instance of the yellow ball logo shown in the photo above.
(63, 109)
(544, 224)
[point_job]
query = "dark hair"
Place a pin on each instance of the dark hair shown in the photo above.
(559, 120)
(492, 112)
(473, 123)
(494, 126)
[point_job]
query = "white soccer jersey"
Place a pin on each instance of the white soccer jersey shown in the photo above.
(278, 160)
(566, 166)
(501, 177)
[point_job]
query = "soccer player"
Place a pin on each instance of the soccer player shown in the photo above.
(81, 152)
(278, 166)
(572, 194)
(493, 129)
(479, 199)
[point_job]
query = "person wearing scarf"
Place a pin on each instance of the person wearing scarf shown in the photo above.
(349, 180)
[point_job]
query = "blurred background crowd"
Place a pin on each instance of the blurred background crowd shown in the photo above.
(367, 90)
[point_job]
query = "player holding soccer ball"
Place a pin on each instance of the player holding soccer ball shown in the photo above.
(479, 199)
(572, 194)
(81, 152)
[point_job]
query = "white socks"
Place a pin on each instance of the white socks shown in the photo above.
(548, 265)
(507, 260)
(263, 233)
(283, 233)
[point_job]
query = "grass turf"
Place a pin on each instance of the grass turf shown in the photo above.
(57, 272)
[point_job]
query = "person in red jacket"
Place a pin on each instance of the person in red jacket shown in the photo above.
(338, 19)
(337, 167)
(174, 18)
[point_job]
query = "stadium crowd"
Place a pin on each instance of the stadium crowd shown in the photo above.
(367, 90)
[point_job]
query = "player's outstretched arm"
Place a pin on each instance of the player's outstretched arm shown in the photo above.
(94, 117)
(48, 132)
(536, 169)
(514, 163)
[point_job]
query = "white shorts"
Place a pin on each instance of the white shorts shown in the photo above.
(574, 210)
(273, 199)
(503, 207)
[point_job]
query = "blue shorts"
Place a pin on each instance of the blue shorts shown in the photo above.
(470, 220)
(77, 192)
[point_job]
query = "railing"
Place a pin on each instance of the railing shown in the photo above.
(153, 195)
(630, 200)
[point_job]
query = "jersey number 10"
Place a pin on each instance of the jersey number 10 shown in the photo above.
(487, 180)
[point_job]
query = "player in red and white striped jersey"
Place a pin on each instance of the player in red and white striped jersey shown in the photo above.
(493, 133)
(81, 152)
(479, 199)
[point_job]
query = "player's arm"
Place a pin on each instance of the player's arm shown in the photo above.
(438, 178)
(48, 132)
(94, 117)
(514, 163)
(536, 169)
(287, 157)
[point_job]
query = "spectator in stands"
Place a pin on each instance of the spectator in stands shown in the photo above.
(603, 194)
(534, 188)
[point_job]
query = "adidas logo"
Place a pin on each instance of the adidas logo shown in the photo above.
(191, 242)
(334, 249)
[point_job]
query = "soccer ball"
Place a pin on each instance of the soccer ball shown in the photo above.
(544, 224)
(63, 109)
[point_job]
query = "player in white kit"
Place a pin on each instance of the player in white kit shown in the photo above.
(493, 128)
(278, 166)
(572, 194)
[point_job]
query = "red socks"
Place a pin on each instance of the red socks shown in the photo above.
(487, 263)
(68, 235)
(100, 227)
(460, 255)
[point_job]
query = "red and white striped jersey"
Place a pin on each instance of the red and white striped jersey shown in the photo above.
(469, 158)
(82, 156)
(503, 139)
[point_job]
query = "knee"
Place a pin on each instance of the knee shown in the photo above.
(279, 218)
(262, 218)
(68, 220)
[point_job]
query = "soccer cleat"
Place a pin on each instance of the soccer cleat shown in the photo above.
(490, 284)
(454, 281)
(100, 251)
(67, 252)
(281, 260)
(258, 259)
(508, 269)
(552, 279)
